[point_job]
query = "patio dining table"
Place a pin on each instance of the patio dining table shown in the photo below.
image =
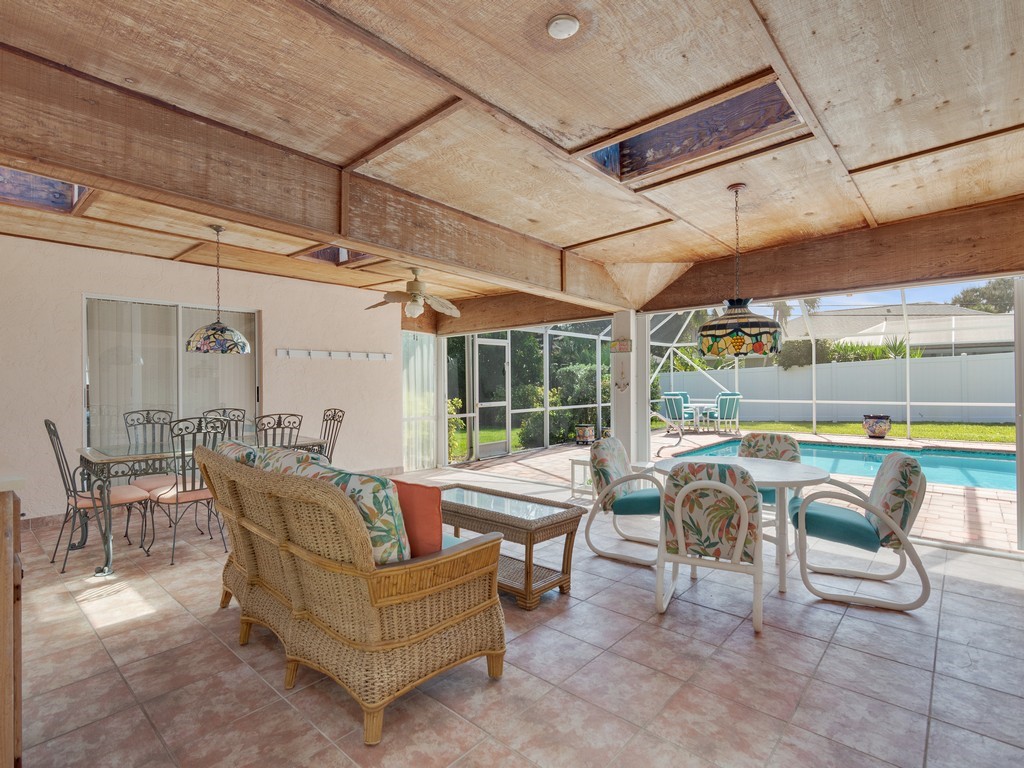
(766, 473)
(122, 461)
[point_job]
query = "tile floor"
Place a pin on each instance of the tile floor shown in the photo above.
(143, 669)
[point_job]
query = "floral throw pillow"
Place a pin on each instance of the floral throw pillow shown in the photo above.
(376, 498)
(240, 452)
(287, 461)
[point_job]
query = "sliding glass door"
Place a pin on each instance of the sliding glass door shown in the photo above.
(135, 360)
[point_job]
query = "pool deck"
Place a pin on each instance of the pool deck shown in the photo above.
(972, 517)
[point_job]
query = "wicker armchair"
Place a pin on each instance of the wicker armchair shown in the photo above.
(301, 565)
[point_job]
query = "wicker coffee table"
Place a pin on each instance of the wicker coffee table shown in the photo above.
(525, 520)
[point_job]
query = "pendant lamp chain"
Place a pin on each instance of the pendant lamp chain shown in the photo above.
(736, 220)
(218, 229)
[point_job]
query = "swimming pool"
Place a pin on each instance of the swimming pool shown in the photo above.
(975, 469)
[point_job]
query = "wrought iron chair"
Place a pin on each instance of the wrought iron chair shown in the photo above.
(619, 490)
(280, 429)
(234, 421)
(330, 428)
(189, 490)
(708, 509)
(883, 519)
(726, 410)
(149, 431)
(84, 495)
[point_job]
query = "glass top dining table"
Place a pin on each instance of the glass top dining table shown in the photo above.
(122, 461)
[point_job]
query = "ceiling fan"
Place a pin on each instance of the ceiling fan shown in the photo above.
(413, 297)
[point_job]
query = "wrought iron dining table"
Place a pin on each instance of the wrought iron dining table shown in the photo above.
(122, 461)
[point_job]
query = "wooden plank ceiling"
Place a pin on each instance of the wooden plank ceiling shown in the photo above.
(527, 177)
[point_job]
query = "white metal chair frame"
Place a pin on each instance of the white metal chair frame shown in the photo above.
(672, 424)
(597, 507)
(663, 593)
(908, 551)
(733, 405)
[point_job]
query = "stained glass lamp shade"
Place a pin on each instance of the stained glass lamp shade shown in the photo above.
(738, 332)
(217, 337)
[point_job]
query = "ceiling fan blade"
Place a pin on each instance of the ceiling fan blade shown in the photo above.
(396, 297)
(379, 304)
(442, 305)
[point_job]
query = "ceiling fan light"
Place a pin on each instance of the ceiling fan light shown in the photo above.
(414, 307)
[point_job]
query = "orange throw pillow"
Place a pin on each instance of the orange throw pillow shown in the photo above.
(421, 511)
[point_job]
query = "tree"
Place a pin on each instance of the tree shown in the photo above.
(995, 296)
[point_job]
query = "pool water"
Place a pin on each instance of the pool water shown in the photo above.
(974, 469)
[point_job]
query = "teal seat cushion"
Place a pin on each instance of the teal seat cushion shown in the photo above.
(767, 495)
(645, 501)
(827, 521)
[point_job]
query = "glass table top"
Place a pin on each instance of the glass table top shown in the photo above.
(527, 510)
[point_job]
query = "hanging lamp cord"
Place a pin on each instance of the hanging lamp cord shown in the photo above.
(218, 229)
(735, 195)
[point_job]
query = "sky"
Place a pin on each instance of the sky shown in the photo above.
(937, 293)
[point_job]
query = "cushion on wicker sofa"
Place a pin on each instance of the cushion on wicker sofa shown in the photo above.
(240, 452)
(376, 498)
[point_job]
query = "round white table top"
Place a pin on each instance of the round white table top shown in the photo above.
(769, 473)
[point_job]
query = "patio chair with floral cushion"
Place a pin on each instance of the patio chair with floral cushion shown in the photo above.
(709, 507)
(769, 445)
(624, 491)
(880, 520)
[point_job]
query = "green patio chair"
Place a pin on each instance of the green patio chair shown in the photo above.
(726, 411)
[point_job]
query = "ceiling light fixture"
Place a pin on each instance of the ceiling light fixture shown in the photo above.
(563, 26)
(217, 337)
(739, 332)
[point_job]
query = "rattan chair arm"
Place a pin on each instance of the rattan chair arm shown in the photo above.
(412, 579)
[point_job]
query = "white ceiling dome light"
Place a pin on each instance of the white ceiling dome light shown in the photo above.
(563, 26)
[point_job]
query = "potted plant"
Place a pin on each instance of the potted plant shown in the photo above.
(877, 425)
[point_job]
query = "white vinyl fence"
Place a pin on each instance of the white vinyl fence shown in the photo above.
(966, 388)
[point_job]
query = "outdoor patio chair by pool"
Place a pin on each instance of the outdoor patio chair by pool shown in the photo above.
(329, 430)
(84, 495)
(675, 414)
(278, 429)
(623, 490)
(711, 519)
(883, 519)
(234, 421)
(726, 411)
(189, 489)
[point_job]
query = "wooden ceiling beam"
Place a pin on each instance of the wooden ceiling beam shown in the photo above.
(78, 129)
(511, 310)
(977, 242)
(396, 224)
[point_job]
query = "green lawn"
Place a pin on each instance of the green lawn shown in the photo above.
(919, 430)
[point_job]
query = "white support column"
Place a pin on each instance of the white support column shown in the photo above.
(624, 383)
(642, 376)
(1018, 357)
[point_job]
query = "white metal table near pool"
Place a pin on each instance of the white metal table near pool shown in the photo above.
(766, 473)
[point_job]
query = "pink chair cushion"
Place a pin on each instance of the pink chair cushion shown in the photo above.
(119, 496)
(150, 483)
(181, 494)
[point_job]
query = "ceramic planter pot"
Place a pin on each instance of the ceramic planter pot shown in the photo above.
(877, 425)
(584, 434)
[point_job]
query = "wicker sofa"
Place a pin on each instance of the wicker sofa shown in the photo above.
(302, 565)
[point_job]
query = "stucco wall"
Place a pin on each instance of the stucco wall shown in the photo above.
(42, 286)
